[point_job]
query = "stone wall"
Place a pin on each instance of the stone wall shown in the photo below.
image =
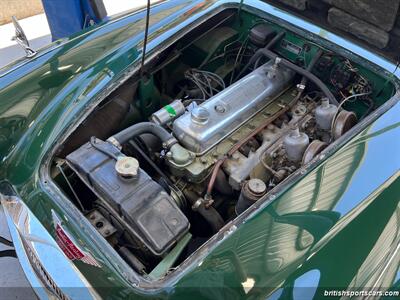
(376, 23)
(19, 8)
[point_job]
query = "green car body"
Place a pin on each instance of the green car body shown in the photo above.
(334, 226)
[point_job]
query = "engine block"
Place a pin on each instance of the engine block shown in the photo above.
(198, 168)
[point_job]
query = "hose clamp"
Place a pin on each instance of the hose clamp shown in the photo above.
(169, 143)
(197, 204)
(301, 87)
(112, 140)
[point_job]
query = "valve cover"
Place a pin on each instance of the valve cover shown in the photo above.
(213, 120)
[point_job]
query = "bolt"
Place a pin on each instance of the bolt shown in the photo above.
(220, 109)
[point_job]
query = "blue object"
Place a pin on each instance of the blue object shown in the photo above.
(67, 17)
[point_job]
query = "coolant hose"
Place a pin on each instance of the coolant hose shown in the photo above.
(210, 214)
(222, 184)
(212, 217)
(141, 128)
(310, 76)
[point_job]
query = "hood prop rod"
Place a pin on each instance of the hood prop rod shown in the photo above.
(146, 33)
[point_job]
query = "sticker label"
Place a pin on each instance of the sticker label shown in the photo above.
(69, 247)
(170, 110)
(71, 250)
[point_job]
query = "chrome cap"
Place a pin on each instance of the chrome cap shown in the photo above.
(127, 167)
(200, 115)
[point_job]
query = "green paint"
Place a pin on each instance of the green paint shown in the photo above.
(148, 97)
(40, 103)
(171, 111)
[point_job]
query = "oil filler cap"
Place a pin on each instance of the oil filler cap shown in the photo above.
(127, 167)
(200, 115)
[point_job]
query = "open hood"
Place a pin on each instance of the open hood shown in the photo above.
(217, 121)
(375, 24)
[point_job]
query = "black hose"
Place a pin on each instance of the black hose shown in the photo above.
(132, 260)
(307, 75)
(210, 214)
(257, 56)
(144, 127)
(304, 72)
(222, 184)
(311, 66)
(150, 162)
(212, 217)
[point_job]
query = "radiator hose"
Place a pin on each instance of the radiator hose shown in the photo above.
(210, 214)
(141, 128)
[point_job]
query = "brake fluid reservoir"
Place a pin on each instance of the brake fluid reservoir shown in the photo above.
(295, 144)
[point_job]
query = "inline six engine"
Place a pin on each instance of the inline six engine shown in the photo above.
(220, 120)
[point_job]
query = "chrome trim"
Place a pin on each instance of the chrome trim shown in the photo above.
(51, 274)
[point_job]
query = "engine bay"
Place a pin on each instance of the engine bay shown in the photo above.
(218, 120)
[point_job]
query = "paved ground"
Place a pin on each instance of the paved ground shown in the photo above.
(38, 33)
